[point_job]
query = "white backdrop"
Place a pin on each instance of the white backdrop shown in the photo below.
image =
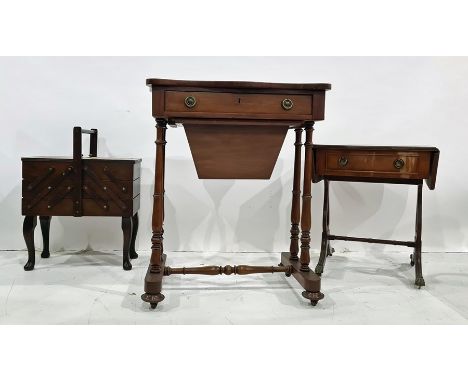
(375, 101)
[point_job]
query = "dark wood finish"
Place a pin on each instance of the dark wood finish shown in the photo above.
(325, 247)
(158, 199)
(114, 170)
(291, 124)
(236, 130)
(45, 229)
(93, 140)
(227, 151)
(135, 223)
(109, 188)
(306, 218)
(374, 180)
(233, 103)
(416, 259)
(153, 284)
(28, 233)
(394, 149)
(77, 172)
(77, 186)
(239, 100)
(127, 230)
(96, 205)
(227, 270)
(210, 85)
(375, 164)
(296, 198)
(78, 165)
(309, 280)
(431, 179)
(368, 240)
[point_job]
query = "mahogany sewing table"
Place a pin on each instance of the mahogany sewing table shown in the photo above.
(235, 130)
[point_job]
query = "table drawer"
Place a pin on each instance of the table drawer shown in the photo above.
(91, 207)
(109, 187)
(111, 170)
(35, 173)
(123, 190)
(237, 104)
(379, 164)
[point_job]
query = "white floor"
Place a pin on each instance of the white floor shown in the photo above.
(92, 288)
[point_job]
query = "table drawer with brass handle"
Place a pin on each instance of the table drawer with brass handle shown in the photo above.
(373, 162)
(198, 103)
(180, 101)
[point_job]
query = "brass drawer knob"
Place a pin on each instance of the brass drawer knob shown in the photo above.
(190, 101)
(287, 104)
(343, 161)
(398, 163)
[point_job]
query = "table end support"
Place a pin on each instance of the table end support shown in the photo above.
(419, 280)
(153, 285)
(308, 280)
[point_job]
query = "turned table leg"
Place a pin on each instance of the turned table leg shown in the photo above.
(127, 238)
(29, 224)
(153, 279)
(306, 200)
(312, 294)
(419, 281)
(296, 198)
(45, 229)
(133, 253)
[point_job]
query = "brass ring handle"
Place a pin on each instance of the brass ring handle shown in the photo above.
(190, 101)
(343, 161)
(398, 163)
(287, 104)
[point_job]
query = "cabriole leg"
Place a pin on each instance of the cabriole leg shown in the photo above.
(29, 224)
(45, 229)
(133, 254)
(127, 238)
